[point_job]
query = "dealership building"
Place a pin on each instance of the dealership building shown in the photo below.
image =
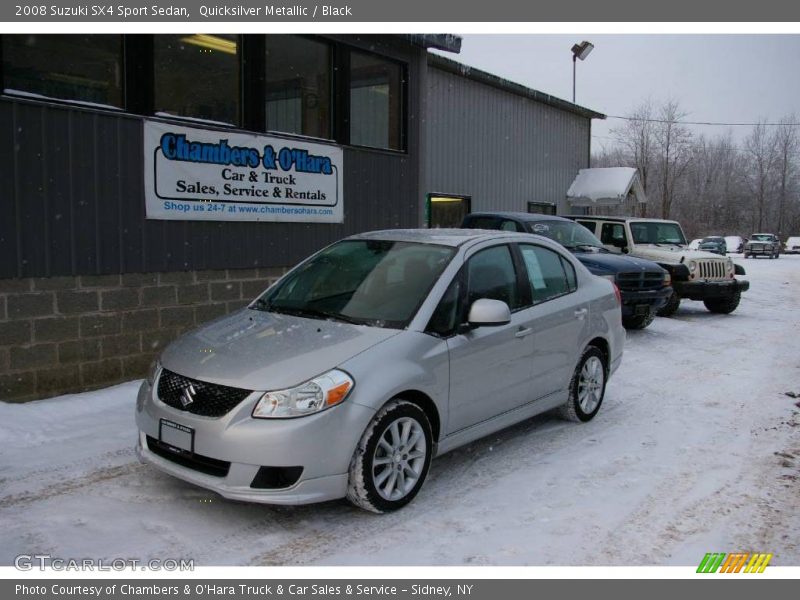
(155, 182)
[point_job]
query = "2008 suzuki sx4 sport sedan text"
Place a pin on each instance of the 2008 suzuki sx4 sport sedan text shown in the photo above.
(373, 355)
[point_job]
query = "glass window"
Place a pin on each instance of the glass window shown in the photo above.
(491, 275)
(545, 273)
(542, 208)
(446, 316)
(613, 233)
(87, 68)
(590, 225)
(298, 85)
(375, 282)
(376, 102)
(197, 75)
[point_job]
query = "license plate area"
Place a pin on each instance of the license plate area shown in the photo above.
(641, 309)
(177, 437)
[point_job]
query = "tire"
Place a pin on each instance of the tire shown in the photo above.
(638, 321)
(587, 387)
(671, 307)
(392, 427)
(724, 305)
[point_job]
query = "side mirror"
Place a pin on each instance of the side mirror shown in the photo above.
(489, 313)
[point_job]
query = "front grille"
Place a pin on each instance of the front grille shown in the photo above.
(208, 399)
(711, 269)
(198, 462)
(639, 282)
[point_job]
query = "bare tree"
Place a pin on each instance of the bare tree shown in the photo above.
(635, 137)
(760, 147)
(673, 147)
(787, 145)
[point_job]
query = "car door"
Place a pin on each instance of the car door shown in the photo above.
(490, 367)
(558, 317)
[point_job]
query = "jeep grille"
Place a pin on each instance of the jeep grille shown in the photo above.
(711, 269)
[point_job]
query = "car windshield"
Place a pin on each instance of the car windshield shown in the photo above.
(761, 237)
(657, 232)
(567, 233)
(374, 282)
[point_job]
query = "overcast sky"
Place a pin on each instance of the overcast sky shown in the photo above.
(728, 78)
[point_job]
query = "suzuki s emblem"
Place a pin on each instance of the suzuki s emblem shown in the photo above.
(187, 397)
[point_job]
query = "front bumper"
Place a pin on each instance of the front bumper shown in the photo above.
(704, 289)
(760, 250)
(322, 444)
(639, 302)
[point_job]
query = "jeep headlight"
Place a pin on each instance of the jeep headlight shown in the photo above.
(729, 264)
(692, 266)
(307, 398)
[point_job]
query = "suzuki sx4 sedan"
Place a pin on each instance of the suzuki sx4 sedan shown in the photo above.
(381, 351)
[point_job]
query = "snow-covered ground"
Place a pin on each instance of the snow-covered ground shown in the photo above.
(696, 449)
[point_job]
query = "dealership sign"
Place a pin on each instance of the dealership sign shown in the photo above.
(202, 174)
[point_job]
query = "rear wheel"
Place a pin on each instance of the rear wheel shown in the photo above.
(587, 387)
(671, 307)
(392, 459)
(638, 321)
(724, 305)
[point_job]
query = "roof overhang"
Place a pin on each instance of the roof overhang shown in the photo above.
(605, 187)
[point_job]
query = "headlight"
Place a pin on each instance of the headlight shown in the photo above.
(692, 266)
(609, 277)
(307, 398)
(667, 279)
(152, 372)
(729, 263)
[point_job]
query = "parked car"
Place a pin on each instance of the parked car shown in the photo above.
(714, 244)
(792, 245)
(696, 275)
(734, 244)
(695, 244)
(763, 244)
(645, 286)
(347, 376)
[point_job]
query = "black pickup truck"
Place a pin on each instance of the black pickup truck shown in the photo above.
(643, 285)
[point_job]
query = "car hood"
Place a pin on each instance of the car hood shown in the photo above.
(673, 254)
(258, 350)
(616, 263)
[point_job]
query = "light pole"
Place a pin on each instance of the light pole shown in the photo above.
(581, 51)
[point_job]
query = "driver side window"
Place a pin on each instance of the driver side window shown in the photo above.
(613, 234)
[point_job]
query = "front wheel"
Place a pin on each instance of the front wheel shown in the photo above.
(724, 305)
(638, 321)
(587, 387)
(392, 459)
(671, 307)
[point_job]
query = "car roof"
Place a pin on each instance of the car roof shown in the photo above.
(521, 216)
(443, 237)
(619, 219)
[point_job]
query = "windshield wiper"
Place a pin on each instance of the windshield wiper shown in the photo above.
(590, 246)
(313, 313)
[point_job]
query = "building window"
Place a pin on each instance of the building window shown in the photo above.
(197, 76)
(376, 102)
(86, 68)
(542, 208)
(298, 85)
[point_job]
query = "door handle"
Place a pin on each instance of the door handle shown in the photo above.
(580, 313)
(522, 332)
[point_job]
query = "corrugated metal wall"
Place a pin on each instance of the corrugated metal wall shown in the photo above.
(502, 149)
(72, 201)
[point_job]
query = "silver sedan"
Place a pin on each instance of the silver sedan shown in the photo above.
(347, 376)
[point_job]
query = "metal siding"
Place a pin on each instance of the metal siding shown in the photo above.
(74, 202)
(500, 148)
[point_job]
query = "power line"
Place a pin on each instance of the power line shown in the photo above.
(701, 122)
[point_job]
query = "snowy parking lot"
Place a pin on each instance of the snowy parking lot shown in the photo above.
(696, 449)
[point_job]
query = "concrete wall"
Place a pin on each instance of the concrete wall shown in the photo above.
(70, 334)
